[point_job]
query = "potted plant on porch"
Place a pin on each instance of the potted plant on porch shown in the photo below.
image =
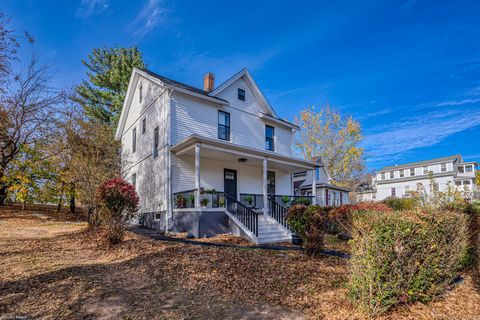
(181, 201)
(204, 202)
(249, 200)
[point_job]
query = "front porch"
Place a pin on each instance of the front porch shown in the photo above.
(211, 176)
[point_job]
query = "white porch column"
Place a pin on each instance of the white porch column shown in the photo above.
(314, 186)
(197, 175)
(264, 187)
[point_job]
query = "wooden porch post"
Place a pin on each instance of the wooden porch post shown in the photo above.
(314, 186)
(264, 186)
(197, 175)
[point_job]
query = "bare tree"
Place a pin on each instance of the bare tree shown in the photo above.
(29, 109)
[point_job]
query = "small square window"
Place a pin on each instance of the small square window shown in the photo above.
(241, 94)
(458, 183)
(443, 167)
(461, 169)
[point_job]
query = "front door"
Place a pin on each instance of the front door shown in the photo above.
(230, 182)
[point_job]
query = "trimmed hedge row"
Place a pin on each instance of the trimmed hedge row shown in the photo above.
(404, 256)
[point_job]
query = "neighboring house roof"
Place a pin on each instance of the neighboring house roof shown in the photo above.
(325, 185)
(453, 158)
(253, 86)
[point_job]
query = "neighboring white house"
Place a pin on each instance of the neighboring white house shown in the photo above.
(448, 172)
(327, 194)
(208, 161)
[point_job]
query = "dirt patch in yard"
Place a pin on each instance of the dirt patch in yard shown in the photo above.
(58, 270)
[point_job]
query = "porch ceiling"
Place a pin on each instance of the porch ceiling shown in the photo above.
(228, 152)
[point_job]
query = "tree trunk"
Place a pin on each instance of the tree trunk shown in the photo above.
(72, 198)
(3, 194)
(59, 205)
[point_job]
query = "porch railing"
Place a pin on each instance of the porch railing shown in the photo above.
(278, 212)
(208, 199)
(255, 201)
(246, 216)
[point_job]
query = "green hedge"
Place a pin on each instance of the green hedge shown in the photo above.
(401, 203)
(404, 256)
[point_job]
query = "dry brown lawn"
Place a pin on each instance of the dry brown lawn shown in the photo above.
(57, 270)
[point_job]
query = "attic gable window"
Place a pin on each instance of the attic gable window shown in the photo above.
(241, 94)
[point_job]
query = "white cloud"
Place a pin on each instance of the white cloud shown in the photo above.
(91, 7)
(150, 16)
(388, 142)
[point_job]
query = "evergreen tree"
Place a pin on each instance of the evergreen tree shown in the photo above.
(109, 71)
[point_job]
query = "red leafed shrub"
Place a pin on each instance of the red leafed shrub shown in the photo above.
(119, 202)
(341, 217)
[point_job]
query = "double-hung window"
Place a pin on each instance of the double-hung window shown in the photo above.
(443, 167)
(269, 138)
(412, 172)
(156, 139)
(134, 140)
(223, 125)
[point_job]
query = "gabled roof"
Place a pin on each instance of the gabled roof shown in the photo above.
(253, 86)
(453, 158)
(162, 81)
(181, 85)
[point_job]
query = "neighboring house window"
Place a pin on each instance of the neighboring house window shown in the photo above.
(134, 180)
(270, 182)
(317, 174)
(458, 183)
(393, 192)
(425, 170)
(466, 182)
(269, 138)
(140, 94)
(468, 169)
(461, 170)
(223, 125)
(144, 125)
(382, 176)
(443, 167)
(134, 140)
(402, 173)
(241, 94)
(407, 189)
(391, 175)
(156, 139)
(412, 172)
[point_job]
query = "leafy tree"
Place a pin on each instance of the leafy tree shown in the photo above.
(29, 111)
(477, 178)
(109, 71)
(336, 139)
(91, 157)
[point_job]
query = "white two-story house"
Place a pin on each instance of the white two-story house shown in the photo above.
(447, 172)
(208, 161)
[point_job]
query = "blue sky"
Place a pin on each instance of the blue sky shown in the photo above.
(409, 71)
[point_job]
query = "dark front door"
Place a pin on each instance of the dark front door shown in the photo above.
(230, 182)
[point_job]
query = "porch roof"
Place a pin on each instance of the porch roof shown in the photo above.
(228, 147)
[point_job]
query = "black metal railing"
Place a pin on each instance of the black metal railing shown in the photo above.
(251, 200)
(208, 199)
(278, 212)
(287, 200)
(184, 199)
(245, 215)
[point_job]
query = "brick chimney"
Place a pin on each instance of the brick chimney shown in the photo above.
(208, 82)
